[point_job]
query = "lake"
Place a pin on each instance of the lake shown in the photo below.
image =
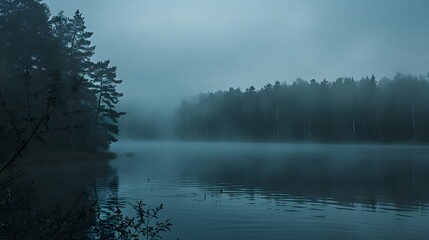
(260, 190)
(279, 191)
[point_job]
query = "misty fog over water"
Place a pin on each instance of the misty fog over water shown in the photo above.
(201, 119)
(280, 191)
(257, 190)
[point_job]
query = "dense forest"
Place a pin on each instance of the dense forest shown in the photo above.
(51, 90)
(388, 110)
(55, 99)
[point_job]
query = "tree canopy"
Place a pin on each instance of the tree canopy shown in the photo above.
(387, 110)
(38, 52)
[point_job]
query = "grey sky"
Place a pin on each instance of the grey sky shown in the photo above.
(167, 50)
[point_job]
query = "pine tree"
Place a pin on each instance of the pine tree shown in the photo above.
(35, 46)
(78, 50)
(105, 83)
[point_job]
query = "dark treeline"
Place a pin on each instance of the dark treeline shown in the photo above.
(50, 88)
(388, 110)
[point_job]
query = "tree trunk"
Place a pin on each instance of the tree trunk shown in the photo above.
(414, 124)
(277, 124)
(377, 119)
(309, 130)
(2, 73)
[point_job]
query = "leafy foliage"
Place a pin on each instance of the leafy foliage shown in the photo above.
(144, 224)
(20, 219)
(47, 76)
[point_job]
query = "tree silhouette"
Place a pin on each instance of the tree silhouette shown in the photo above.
(105, 81)
(388, 110)
(35, 46)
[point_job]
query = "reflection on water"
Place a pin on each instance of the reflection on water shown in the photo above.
(258, 191)
(71, 185)
(278, 191)
(106, 192)
(366, 178)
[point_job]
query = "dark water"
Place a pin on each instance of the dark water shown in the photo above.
(280, 191)
(259, 191)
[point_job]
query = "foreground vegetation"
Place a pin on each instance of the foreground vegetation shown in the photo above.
(50, 89)
(55, 100)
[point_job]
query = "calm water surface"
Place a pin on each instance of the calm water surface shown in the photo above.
(276, 191)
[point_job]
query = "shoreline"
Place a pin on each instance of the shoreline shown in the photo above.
(65, 156)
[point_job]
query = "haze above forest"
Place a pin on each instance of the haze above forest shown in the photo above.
(167, 51)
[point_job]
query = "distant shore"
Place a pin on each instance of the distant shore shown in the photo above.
(64, 156)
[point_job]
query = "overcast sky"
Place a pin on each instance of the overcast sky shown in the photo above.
(168, 50)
